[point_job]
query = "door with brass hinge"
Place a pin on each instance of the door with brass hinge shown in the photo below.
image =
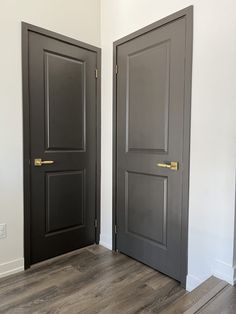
(63, 99)
(151, 150)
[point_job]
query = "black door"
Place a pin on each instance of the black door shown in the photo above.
(62, 101)
(150, 145)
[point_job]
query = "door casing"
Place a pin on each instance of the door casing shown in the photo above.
(26, 28)
(188, 14)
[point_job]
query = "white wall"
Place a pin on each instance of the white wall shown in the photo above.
(213, 149)
(79, 19)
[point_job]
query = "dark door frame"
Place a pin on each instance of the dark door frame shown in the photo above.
(187, 13)
(26, 28)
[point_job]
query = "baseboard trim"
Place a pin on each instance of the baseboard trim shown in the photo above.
(106, 241)
(192, 282)
(225, 272)
(234, 276)
(11, 267)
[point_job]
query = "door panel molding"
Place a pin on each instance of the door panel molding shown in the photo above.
(78, 147)
(141, 142)
(159, 238)
(26, 29)
(55, 178)
(187, 14)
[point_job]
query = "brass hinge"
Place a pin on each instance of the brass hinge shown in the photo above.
(95, 223)
(96, 73)
(115, 229)
(116, 69)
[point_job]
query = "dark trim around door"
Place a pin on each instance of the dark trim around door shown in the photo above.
(26, 28)
(188, 14)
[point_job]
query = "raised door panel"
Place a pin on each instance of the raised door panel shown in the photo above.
(148, 98)
(146, 207)
(65, 200)
(65, 103)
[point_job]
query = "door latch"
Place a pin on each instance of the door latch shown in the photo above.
(173, 165)
(39, 162)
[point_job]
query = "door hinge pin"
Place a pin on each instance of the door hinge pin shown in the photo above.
(96, 73)
(95, 223)
(115, 229)
(116, 69)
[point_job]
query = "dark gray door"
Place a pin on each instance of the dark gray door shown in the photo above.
(150, 126)
(62, 96)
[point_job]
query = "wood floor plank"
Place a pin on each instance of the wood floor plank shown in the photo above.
(95, 280)
(189, 300)
(206, 298)
(42, 269)
(109, 283)
(45, 275)
(223, 303)
(65, 285)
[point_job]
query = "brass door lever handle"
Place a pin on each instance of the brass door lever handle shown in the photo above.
(173, 165)
(39, 162)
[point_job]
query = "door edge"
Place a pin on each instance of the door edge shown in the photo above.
(188, 14)
(25, 29)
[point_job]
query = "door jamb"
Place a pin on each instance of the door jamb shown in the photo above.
(26, 28)
(187, 13)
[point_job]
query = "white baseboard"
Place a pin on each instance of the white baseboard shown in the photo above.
(234, 276)
(192, 282)
(225, 272)
(11, 267)
(221, 270)
(106, 241)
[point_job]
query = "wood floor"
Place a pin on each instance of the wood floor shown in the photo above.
(95, 280)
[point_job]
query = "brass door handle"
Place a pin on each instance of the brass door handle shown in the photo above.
(39, 162)
(173, 165)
